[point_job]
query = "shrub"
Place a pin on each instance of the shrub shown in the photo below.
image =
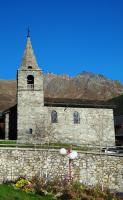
(63, 189)
(25, 185)
(40, 185)
(21, 183)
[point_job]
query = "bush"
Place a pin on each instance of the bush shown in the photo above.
(39, 185)
(25, 185)
(64, 189)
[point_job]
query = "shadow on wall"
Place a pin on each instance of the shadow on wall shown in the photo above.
(13, 123)
(2, 133)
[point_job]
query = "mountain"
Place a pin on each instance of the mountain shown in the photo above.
(85, 85)
(7, 94)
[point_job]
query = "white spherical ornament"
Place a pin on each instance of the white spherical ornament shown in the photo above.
(73, 155)
(63, 151)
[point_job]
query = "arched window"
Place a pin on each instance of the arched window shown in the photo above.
(30, 82)
(29, 67)
(76, 118)
(54, 118)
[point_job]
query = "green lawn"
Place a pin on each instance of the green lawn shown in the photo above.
(13, 143)
(7, 192)
(7, 141)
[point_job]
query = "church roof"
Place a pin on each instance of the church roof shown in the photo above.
(29, 59)
(82, 103)
(75, 103)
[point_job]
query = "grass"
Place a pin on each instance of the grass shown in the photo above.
(13, 143)
(7, 192)
(7, 141)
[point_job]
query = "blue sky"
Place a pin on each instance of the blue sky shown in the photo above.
(68, 36)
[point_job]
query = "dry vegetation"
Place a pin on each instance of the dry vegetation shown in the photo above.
(85, 85)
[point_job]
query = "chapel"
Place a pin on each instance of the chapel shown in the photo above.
(36, 119)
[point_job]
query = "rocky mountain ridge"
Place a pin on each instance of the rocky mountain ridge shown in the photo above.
(85, 85)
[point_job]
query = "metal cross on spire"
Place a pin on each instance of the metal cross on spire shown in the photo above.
(28, 32)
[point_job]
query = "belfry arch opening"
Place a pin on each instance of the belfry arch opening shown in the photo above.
(29, 67)
(30, 82)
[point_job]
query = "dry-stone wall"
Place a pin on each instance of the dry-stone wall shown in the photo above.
(89, 168)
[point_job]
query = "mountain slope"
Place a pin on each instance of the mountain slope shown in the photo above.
(7, 94)
(83, 86)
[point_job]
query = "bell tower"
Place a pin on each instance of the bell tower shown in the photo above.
(30, 94)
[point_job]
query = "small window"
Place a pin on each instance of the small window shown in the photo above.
(76, 118)
(30, 82)
(54, 118)
(30, 131)
(29, 67)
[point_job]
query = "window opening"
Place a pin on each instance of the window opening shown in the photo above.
(54, 117)
(30, 82)
(76, 117)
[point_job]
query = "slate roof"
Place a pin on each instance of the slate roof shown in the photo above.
(60, 102)
(76, 103)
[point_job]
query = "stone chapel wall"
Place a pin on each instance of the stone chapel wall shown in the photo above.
(96, 126)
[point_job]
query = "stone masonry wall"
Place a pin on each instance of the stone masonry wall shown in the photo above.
(96, 125)
(29, 103)
(90, 168)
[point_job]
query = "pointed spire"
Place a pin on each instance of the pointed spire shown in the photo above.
(29, 59)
